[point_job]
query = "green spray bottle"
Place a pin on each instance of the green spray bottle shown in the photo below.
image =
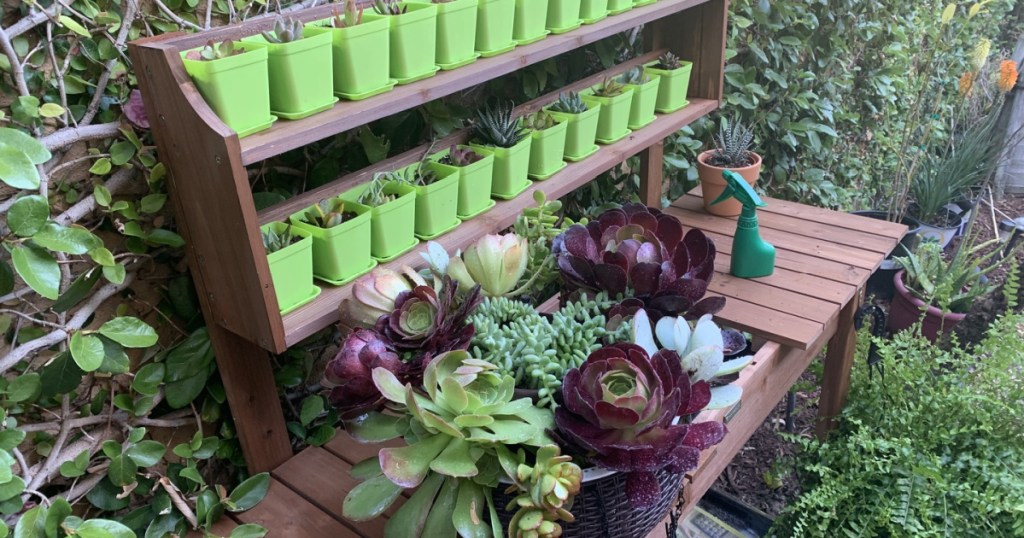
(752, 256)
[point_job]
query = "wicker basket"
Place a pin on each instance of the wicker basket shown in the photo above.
(602, 509)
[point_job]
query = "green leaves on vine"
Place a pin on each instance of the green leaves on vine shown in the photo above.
(19, 155)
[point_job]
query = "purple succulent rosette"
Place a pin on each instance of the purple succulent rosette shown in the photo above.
(351, 372)
(640, 253)
(619, 406)
(429, 322)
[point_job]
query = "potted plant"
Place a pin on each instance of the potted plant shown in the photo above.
(563, 16)
(499, 132)
(290, 256)
(494, 20)
(300, 84)
(232, 78)
(392, 215)
(581, 124)
(475, 171)
(456, 33)
(615, 101)
(341, 239)
(645, 96)
(619, 6)
(548, 146)
(675, 82)
(592, 11)
(732, 152)
(361, 46)
(529, 20)
(413, 39)
(639, 3)
(437, 197)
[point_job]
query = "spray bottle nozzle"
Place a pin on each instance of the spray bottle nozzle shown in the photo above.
(736, 187)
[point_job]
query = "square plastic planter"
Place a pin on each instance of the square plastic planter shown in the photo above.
(619, 6)
(237, 88)
(437, 204)
(494, 20)
(528, 25)
(291, 269)
(474, 184)
(301, 79)
(456, 33)
(580, 133)
(361, 56)
(414, 43)
(612, 124)
(547, 150)
(340, 253)
(592, 11)
(563, 16)
(673, 88)
(391, 224)
(511, 168)
(645, 97)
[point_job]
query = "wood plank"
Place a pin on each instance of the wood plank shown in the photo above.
(784, 281)
(285, 513)
(652, 169)
(352, 451)
(772, 325)
(835, 383)
(772, 297)
(221, 529)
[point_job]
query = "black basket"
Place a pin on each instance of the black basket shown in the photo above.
(602, 509)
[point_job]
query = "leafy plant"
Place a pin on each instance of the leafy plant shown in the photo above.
(539, 121)
(494, 262)
(353, 16)
(286, 30)
(428, 321)
(374, 295)
(274, 241)
(458, 156)
(636, 76)
(328, 213)
(732, 146)
(389, 7)
(539, 225)
(498, 126)
(668, 62)
(215, 51)
(546, 494)
(569, 103)
(609, 88)
(376, 192)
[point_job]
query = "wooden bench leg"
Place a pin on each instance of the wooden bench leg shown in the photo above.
(651, 173)
(838, 361)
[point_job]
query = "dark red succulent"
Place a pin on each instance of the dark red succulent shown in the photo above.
(430, 322)
(350, 372)
(619, 406)
(642, 253)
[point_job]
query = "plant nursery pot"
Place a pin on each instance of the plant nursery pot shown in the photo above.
(639, 3)
(494, 21)
(413, 43)
(580, 133)
(592, 11)
(547, 150)
(291, 269)
(905, 310)
(619, 6)
(392, 224)
(456, 33)
(909, 238)
(612, 123)
(301, 75)
(361, 56)
(712, 184)
(528, 23)
(674, 86)
(511, 167)
(237, 88)
(563, 15)
(437, 204)
(645, 97)
(474, 185)
(340, 253)
(942, 232)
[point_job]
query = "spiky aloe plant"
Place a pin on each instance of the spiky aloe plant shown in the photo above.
(215, 51)
(732, 143)
(569, 103)
(274, 241)
(389, 7)
(286, 30)
(669, 62)
(539, 121)
(460, 157)
(609, 88)
(499, 127)
(328, 213)
(353, 16)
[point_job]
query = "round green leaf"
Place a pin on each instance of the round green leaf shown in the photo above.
(122, 470)
(68, 239)
(23, 387)
(114, 273)
(102, 256)
(105, 528)
(14, 486)
(38, 269)
(51, 110)
(249, 530)
(250, 492)
(32, 148)
(6, 278)
(146, 453)
(87, 351)
(74, 26)
(28, 215)
(16, 169)
(101, 167)
(121, 152)
(129, 332)
(148, 378)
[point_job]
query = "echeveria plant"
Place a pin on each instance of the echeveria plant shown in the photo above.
(546, 491)
(353, 392)
(429, 321)
(374, 295)
(495, 262)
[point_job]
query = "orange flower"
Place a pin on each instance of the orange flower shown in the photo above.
(1007, 75)
(966, 83)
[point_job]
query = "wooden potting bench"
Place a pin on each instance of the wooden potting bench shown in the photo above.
(824, 257)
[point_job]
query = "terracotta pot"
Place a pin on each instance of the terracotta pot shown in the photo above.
(712, 184)
(905, 310)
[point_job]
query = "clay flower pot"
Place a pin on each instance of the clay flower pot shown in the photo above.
(906, 309)
(713, 184)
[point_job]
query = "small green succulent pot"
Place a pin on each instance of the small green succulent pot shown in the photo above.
(391, 224)
(639, 3)
(612, 125)
(673, 88)
(237, 88)
(511, 168)
(414, 43)
(528, 25)
(563, 16)
(291, 269)
(456, 33)
(301, 80)
(361, 56)
(592, 11)
(340, 253)
(645, 96)
(474, 184)
(494, 19)
(619, 6)
(547, 150)
(580, 133)
(437, 204)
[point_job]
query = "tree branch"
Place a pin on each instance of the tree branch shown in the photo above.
(71, 135)
(34, 19)
(178, 20)
(17, 70)
(101, 84)
(117, 182)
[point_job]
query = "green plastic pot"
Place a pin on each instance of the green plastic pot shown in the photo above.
(619, 6)
(361, 56)
(437, 204)
(413, 43)
(291, 269)
(563, 15)
(474, 184)
(237, 88)
(511, 168)
(391, 224)
(645, 96)
(580, 133)
(638, 3)
(673, 88)
(342, 252)
(528, 24)
(592, 11)
(301, 79)
(547, 150)
(613, 121)
(456, 33)
(494, 26)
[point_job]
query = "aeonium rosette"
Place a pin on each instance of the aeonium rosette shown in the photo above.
(619, 406)
(350, 372)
